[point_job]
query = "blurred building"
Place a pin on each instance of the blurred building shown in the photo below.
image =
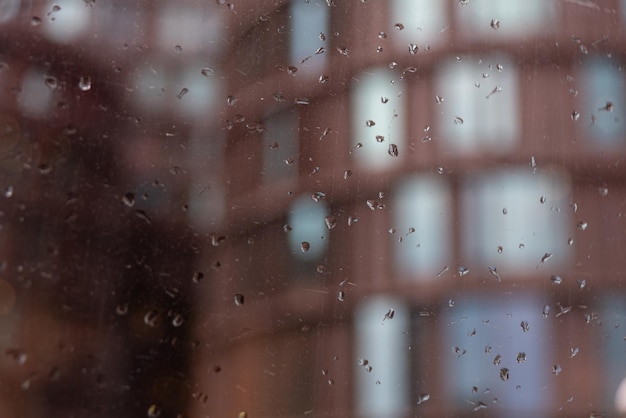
(424, 211)
(312, 207)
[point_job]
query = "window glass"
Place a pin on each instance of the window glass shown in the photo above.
(377, 118)
(422, 210)
(603, 88)
(309, 33)
(517, 221)
(308, 235)
(610, 321)
(482, 18)
(499, 355)
(381, 374)
(477, 105)
(423, 21)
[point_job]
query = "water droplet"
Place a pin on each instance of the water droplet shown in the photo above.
(525, 326)
(479, 405)
(380, 138)
(238, 299)
(347, 174)
(331, 222)
(197, 277)
(151, 318)
(362, 362)
(451, 303)
(439, 99)
(458, 120)
(178, 320)
(495, 24)
(291, 70)
(369, 123)
(154, 411)
(182, 92)
(51, 82)
(382, 35)
(129, 199)
(575, 115)
(463, 271)
(374, 204)
(341, 296)
(582, 226)
(352, 220)
(35, 21)
(393, 150)
(390, 314)
(318, 196)
(521, 358)
(84, 84)
(504, 374)
(323, 79)
(494, 273)
(463, 2)
(423, 397)
(573, 351)
(231, 100)
(499, 67)
(121, 309)
(499, 249)
(305, 246)
(542, 199)
(178, 49)
(581, 283)
(413, 49)
(603, 191)
(521, 246)
(287, 228)
(207, 72)
(8, 191)
(302, 101)
(497, 359)
(556, 369)
(546, 311)
(545, 258)
(143, 215)
(398, 26)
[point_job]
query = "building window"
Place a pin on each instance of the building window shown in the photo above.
(377, 119)
(516, 221)
(309, 20)
(381, 374)
(603, 89)
(280, 151)
(498, 354)
(476, 103)
(422, 212)
(496, 19)
(422, 21)
(308, 234)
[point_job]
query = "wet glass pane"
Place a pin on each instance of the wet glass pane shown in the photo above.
(236, 208)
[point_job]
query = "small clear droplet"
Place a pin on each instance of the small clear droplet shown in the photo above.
(575, 115)
(546, 311)
(521, 358)
(380, 138)
(182, 92)
(495, 24)
(51, 82)
(121, 309)
(129, 199)
(151, 318)
(582, 226)
(154, 411)
(413, 49)
(8, 191)
(305, 247)
(398, 26)
(603, 191)
(497, 359)
(197, 277)
(341, 296)
(369, 123)
(439, 99)
(231, 100)
(207, 72)
(423, 397)
(499, 249)
(393, 150)
(504, 374)
(525, 326)
(331, 222)
(238, 299)
(556, 369)
(178, 49)
(463, 271)
(178, 320)
(458, 120)
(347, 174)
(35, 21)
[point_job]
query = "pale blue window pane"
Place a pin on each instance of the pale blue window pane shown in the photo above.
(610, 323)
(377, 119)
(516, 18)
(280, 151)
(478, 105)
(422, 214)
(602, 89)
(309, 19)
(306, 219)
(423, 20)
(381, 343)
(477, 330)
(506, 225)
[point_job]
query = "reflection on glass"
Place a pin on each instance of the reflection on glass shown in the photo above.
(477, 105)
(514, 219)
(603, 89)
(377, 118)
(422, 213)
(309, 31)
(308, 237)
(499, 356)
(381, 372)
(36, 96)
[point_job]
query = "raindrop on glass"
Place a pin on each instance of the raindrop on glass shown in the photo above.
(129, 199)
(331, 222)
(458, 120)
(390, 314)
(207, 72)
(546, 311)
(341, 296)
(556, 369)
(51, 82)
(231, 100)
(35, 21)
(8, 191)
(398, 26)
(439, 99)
(495, 24)
(154, 411)
(369, 123)
(238, 299)
(525, 326)
(197, 277)
(504, 374)
(178, 320)
(121, 309)
(575, 115)
(463, 271)
(151, 318)
(393, 150)
(582, 226)
(305, 246)
(423, 398)
(497, 359)
(413, 49)
(521, 357)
